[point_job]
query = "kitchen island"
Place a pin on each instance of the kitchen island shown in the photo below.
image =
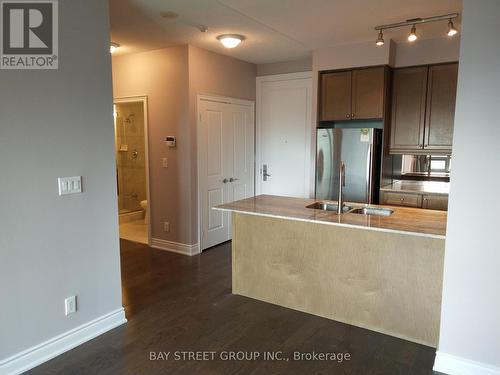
(382, 273)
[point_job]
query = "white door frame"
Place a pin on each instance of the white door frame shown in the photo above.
(219, 99)
(258, 127)
(144, 100)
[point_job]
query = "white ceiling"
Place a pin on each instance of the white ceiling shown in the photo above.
(276, 30)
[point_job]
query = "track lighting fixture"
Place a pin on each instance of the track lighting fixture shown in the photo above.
(451, 28)
(380, 39)
(412, 36)
(413, 22)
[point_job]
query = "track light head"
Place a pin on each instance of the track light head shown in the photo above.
(413, 34)
(451, 28)
(380, 39)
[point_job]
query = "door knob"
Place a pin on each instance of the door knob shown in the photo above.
(232, 179)
(265, 175)
(225, 181)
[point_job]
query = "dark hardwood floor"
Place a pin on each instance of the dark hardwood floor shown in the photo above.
(179, 303)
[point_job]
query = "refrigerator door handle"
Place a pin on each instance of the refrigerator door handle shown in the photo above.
(369, 168)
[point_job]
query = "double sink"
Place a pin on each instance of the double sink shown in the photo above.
(360, 210)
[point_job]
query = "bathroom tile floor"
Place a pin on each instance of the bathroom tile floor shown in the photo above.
(135, 231)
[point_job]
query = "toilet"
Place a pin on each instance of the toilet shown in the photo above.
(144, 206)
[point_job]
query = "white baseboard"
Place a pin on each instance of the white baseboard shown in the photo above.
(131, 216)
(36, 355)
(175, 247)
(453, 365)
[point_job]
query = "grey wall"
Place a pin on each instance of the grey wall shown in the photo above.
(52, 124)
(429, 51)
(303, 65)
(470, 325)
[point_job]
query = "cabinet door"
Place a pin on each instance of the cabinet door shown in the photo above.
(401, 199)
(336, 96)
(441, 97)
(408, 109)
(435, 202)
(368, 93)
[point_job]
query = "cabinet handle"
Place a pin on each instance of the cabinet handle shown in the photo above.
(402, 199)
(352, 115)
(225, 181)
(347, 116)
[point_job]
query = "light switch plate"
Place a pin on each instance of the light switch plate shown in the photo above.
(70, 305)
(69, 185)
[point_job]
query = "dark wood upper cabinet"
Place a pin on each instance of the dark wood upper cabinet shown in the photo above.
(335, 96)
(441, 97)
(423, 109)
(368, 93)
(353, 94)
(408, 108)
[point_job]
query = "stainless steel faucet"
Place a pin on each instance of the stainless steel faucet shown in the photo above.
(340, 201)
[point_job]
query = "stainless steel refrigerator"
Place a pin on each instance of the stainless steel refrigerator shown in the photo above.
(360, 150)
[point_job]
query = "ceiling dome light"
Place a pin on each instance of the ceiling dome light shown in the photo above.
(451, 28)
(380, 39)
(113, 47)
(413, 34)
(230, 40)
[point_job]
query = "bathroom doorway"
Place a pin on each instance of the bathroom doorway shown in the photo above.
(132, 168)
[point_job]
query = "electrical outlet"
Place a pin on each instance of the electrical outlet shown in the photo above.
(165, 163)
(166, 226)
(70, 305)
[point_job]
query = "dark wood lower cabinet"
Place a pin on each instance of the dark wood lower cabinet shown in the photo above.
(435, 202)
(417, 200)
(402, 199)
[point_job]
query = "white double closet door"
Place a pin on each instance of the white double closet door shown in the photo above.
(226, 163)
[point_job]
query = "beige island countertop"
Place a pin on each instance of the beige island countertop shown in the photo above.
(404, 220)
(379, 273)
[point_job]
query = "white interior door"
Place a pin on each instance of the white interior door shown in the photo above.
(226, 164)
(284, 134)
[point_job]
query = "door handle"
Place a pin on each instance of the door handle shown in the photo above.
(232, 179)
(265, 175)
(225, 181)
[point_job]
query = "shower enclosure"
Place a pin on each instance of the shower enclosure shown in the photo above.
(130, 141)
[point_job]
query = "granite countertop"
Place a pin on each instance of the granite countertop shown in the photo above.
(423, 187)
(405, 220)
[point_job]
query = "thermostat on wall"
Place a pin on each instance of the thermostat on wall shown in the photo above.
(170, 141)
